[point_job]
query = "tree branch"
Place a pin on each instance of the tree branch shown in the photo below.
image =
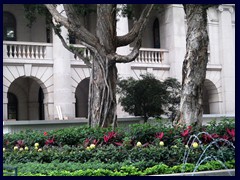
(127, 58)
(74, 50)
(73, 24)
(137, 28)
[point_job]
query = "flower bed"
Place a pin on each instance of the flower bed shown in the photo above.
(142, 146)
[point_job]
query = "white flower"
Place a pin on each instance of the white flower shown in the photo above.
(139, 144)
(195, 145)
(161, 143)
(92, 146)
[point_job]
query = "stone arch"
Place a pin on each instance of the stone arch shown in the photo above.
(81, 95)
(211, 99)
(27, 90)
(41, 75)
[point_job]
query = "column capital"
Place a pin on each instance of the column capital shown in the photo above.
(226, 7)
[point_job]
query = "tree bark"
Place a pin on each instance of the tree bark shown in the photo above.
(194, 66)
(102, 93)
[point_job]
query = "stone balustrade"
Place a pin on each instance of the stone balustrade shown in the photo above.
(26, 50)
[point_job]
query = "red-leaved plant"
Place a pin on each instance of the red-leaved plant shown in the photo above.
(231, 132)
(20, 143)
(109, 136)
(159, 135)
(185, 134)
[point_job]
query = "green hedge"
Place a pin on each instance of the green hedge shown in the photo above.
(113, 169)
(70, 144)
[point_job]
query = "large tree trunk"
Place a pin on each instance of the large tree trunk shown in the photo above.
(194, 66)
(102, 94)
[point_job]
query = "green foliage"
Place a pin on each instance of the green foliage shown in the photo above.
(33, 10)
(174, 95)
(142, 132)
(111, 169)
(148, 97)
(72, 145)
(220, 128)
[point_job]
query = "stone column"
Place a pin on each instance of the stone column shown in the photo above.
(62, 76)
(227, 57)
(122, 29)
(175, 38)
(123, 69)
(5, 103)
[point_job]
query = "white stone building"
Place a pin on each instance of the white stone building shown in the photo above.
(40, 75)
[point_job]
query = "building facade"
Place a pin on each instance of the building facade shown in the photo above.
(44, 81)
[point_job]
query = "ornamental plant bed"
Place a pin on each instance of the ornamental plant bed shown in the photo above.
(146, 144)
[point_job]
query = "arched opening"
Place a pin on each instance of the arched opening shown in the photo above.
(81, 96)
(28, 101)
(210, 98)
(156, 34)
(9, 27)
(12, 107)
(41, 105)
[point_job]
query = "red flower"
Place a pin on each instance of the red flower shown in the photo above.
(159, 135)
(45, 133)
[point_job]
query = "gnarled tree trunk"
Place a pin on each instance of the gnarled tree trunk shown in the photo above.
(194, 66)
(102, 94)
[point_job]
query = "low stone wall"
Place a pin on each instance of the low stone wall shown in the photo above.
(16, 126)
(12, 126)
(225, 172)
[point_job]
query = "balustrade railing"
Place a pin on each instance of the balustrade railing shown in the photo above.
(26, 50)
(85, 52)
(151, 55)
(33, 50)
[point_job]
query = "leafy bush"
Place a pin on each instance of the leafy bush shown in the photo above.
(84, 144)
(149, 97)
(114, 169)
